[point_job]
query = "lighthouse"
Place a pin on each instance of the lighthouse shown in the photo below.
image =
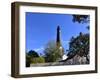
(58, 42)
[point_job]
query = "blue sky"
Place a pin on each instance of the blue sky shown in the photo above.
(41, 28)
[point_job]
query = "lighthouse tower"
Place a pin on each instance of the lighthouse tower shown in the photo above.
(58, 41)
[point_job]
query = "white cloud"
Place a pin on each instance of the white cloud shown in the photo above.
(39, 49)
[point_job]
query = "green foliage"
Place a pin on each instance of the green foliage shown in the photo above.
(32, 53)
(52, 53)
(81, 18)
(28, 60)
(79, 46)
(38, 60)
(29, 56)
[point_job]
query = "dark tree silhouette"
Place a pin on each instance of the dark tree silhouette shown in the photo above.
(29, 57)
(32, 53)
(28, 60)
(79, 46)
(81, 18)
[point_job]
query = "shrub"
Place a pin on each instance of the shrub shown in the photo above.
(38, 60)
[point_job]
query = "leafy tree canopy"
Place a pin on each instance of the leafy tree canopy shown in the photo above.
(81, 18)
(79, 45)
(32, 53)
(52, 53)
(29, 57)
